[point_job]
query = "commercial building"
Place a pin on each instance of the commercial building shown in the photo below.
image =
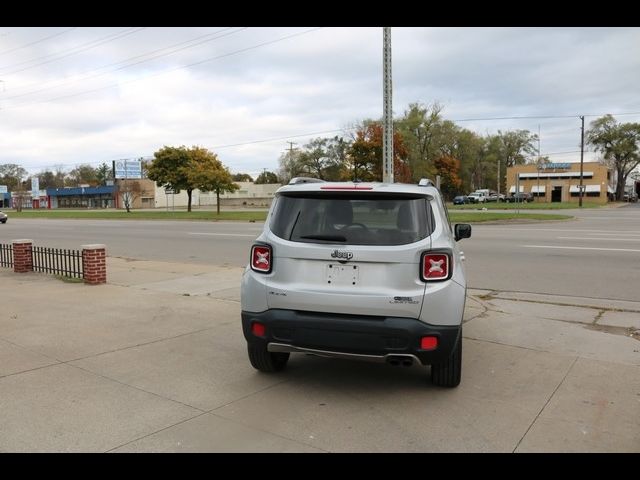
(139, 193)
(560, 182)
(78, 197)
(248, 195)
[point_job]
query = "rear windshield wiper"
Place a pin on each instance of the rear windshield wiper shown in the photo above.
(329, 238)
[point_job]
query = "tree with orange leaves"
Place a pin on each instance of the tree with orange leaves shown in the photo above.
(365, 155)
(448, 167)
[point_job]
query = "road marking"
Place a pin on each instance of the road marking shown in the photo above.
(602, 239)
(629, 217)
(582, 248)
(573, 230)
(224, 234)
(616, 234)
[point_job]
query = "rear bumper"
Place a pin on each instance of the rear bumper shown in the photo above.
(349, 336)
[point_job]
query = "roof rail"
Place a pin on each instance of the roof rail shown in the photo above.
(425, 182)
(299, 180)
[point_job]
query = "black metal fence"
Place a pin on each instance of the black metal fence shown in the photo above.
(57, 261)
(6, 255)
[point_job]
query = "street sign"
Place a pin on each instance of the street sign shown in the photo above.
(560, 166)
(35, 187)
(3, 189)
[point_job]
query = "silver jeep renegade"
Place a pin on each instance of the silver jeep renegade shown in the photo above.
(365, 271)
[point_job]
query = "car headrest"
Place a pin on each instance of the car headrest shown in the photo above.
(339, 213)
(405, 220)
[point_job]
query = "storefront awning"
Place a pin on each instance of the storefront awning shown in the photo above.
(513, 189)
(538, 188)
(588, 188)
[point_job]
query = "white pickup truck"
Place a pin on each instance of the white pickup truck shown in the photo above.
(477, 197)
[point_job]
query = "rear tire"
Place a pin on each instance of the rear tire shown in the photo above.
(448, 373)
(265, 361)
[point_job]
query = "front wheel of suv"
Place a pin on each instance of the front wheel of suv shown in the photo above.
(448, 373)
(265, 361)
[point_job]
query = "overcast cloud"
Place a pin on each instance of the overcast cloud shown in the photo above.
(91, 95)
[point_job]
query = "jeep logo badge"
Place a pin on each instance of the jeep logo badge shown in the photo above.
(342, 254)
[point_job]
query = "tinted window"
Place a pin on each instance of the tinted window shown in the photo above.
(374, 220)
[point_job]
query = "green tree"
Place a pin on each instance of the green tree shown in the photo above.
(170, 169)
(419, 127)
(515, 144)
(49, 179)
(338, 153)
(467, 148)
(324, 158)
(82, 174)
(242, 177)
(290, 166)
(103, 173)
(266, 177)
(619, 144)
(208, 174)
(12, 176)
(511, 148)
(314, 157)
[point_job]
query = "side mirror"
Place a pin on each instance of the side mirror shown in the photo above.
(462, 230)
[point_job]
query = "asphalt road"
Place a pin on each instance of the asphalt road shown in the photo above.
(597, 255)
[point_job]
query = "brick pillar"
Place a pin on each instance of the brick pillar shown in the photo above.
(94, 264)
(22, 260)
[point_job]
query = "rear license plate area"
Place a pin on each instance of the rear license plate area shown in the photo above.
(337, 274)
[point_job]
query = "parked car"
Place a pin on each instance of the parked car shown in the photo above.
(476, 198)
(3, 217)
(495, 197)
(460, 200)
(361, 271)
(520, 197)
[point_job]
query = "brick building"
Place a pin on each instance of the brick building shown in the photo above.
(559, 182)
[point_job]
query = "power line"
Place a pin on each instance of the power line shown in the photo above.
(37, 41)
(526, 117)
(546, 154)
(278, 139)
(163, 72)
(273, 139)
(88, 46)
(134, 58)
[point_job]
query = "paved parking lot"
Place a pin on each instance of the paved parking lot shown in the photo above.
(155, 361)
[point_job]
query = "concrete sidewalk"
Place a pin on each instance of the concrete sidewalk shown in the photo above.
(155, 361)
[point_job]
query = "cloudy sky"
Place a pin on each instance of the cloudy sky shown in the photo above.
(92, 95)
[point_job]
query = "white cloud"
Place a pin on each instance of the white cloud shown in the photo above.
(322, 80)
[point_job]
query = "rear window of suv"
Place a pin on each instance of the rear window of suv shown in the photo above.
(352, 219)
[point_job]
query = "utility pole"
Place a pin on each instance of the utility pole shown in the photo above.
(538, 167)
(498, 186)
(581, 158)
(387, 141)
(291, 144)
